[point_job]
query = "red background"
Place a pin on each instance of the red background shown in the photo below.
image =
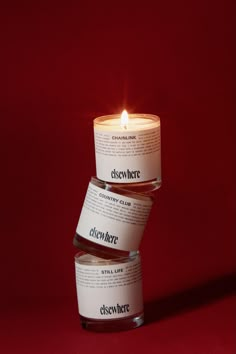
(63, 65)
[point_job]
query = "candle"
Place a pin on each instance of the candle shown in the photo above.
(109, 292)
(128, 148)
(112, 220)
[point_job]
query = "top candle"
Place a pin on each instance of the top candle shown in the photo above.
(128, 148)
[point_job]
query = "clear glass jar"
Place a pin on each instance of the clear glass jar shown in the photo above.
(109, 292)
(112, 220)
(129, 153)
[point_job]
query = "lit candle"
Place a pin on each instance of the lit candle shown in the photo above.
(128, 148)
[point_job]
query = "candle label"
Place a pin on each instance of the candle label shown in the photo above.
(109, 291)
(129, 156)
(113, 220)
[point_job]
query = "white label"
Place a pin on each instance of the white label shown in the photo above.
(113, 220)
(127, 157)
(109, 291)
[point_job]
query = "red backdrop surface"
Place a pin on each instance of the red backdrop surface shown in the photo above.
(63, 65)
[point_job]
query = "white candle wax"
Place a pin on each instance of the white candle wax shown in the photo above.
(90, 259)
(135, 123)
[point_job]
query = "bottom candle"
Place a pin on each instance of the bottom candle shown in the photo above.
(109, 292)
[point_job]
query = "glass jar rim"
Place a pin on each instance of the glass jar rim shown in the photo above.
(119, 190)
(104, 261)
(102, 119)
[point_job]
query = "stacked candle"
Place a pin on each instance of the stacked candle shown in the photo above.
(113, 218)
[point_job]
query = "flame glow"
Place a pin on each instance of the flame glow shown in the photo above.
(124, 119)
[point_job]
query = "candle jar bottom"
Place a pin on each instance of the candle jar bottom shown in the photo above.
(112, 325)
(139, 187)
(99, 250)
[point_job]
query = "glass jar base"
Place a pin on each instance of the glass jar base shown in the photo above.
(112, 325)
(99, 250)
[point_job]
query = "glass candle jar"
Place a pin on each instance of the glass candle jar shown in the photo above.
(109, 292)
(129, 153)
(112, 220)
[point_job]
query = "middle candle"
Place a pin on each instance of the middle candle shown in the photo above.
(112, 220)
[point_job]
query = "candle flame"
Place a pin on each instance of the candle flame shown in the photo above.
(124, 119)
